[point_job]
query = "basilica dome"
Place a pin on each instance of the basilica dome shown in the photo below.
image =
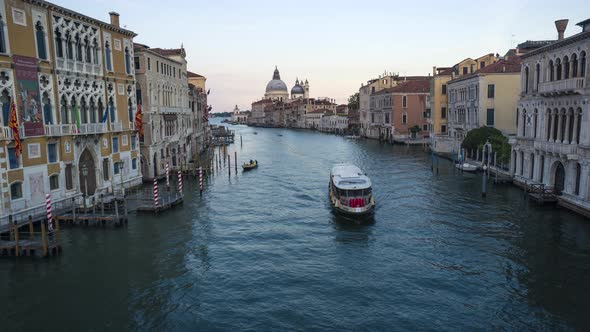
(297, 89)
(276, 84)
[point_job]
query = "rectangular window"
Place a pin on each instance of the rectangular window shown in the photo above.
(482, 64)
(16, 190)
(471, 68)
(490, 117)
(138, 97)
(157, 66)
(149, 64)
(69, 179)
(14, 162)
(105, 169)
(125, 140)
(404, 118)
(54, 182)
(464, 70)
(444, 89)
(443, 112)
(115, 144)
(133, 142)
(404, 101)
(134, 163)
(116, 168)
(425, 127)
(52, 152)
(443, 128)
(136, 59)
(491, 91)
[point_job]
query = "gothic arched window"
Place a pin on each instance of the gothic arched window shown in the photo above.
(87, 52)
(566, 68)
(92, 110)
(107, 53)
(83, 110)
(64, 111)
(582, 64)
(40, 36)
(59, 47)
(69, 47)
(95, 51)
(112, 109)
(558, 69)
(574, 65)
(551, 71)
(5, 100)
(538, 78)
(2, 36)
(47, 112)
(130, 109)
(127, 61)
(526, 79)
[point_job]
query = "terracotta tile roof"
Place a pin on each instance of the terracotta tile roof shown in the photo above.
(168, 51)
(191, 74)
(263, 101)
(421, 86)
(447, 72)
(502, 66)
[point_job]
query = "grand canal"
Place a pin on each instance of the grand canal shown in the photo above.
(263, 251)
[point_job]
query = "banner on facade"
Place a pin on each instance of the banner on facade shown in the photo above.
(28, 99)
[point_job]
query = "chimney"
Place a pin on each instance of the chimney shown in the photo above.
(561, 25)
(433, 70)
(114, 18)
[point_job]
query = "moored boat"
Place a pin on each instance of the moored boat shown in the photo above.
(351, 190)
(467, 167)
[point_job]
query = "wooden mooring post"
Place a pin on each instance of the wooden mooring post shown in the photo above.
(236, 161)
(228, 165)
(44, 238)
(16, 247)
(31, 229)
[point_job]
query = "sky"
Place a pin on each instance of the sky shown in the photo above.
(336, 45)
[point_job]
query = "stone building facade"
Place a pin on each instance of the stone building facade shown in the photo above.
(72, 81)
(168, 121)
(552, 145)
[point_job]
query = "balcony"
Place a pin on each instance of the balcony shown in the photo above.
(557, 148)
(562, 87)
(92, 128)
(116, 127)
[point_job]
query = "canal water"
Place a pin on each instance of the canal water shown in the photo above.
(262, 250)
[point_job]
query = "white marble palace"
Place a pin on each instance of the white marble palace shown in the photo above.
(552, 146)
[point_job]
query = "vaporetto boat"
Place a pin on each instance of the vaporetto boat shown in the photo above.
(350, 190)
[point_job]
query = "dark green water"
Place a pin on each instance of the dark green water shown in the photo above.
(263, 251)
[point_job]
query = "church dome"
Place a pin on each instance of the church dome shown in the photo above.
(276, 84)
(297, 90)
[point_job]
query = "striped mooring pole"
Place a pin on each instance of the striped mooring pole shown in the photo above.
(156, 196)
(167, 175)
(180, 182)
(49, 216)
(200, 180)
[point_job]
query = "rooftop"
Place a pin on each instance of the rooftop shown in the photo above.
(346, 176)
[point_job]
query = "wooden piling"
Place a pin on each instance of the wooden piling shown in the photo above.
(57, 231)
(228, 165)
(16, 247)
(31, 229)
(73, 210)
(116, 211)
(44, 238)
(236, 161)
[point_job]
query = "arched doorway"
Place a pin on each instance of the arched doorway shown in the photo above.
(87, 172)
(144, 168)
(155, 166)
(559, 183)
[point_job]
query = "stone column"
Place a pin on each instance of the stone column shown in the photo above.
(567, 128)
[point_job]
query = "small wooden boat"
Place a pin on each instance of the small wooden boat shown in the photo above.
(255, 133)
(249, 166)
(467, 167)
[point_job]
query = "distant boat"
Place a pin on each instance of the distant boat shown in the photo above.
(352, 136)
(467, 167)
(249, 166)
(350, 190)
(280, 134)
(255, 133)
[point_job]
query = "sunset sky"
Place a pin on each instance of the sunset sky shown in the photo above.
(336, 45)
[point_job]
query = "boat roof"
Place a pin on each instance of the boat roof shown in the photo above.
(346, 176)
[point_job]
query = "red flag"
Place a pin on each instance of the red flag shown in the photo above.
(138, 123)
(13, 123)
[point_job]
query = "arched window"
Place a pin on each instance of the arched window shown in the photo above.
(73, 111)
(579, 115)
(532, 167)
(558, 69)
(95, 51)
(83, 110)
(127, 61)
(526, 79)
(522, 163)
(542, 169)
(523, 123)
(92, 110)
(583, 64)
(549, 120)
(570, 129)
(64, 111)
(514, 162)
(107, 54)
(69, 47)
(59, 47)
(130, 109)
(40, 36)
(47, 112)
(551, 71)
(87, 50)
(112, 109)
(538, 76)
(79, 52)
(555, 124)
(5, 100)
(535, 116)
(578, 178)
(566, 67)
(2, 36)
(574, 65)
(563, 116)
(101, 111)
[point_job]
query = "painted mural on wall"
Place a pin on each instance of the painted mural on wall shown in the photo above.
(28, 99)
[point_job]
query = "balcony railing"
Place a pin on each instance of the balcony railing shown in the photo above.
(92, 128)
(6, 133)
(116, 127)
(556, 147)
(562, 86)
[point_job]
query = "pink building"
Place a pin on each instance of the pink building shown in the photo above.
(409, 110)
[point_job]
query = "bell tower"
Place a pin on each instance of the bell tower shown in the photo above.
(306, 89)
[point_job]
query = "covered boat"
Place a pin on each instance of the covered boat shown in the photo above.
(350, 190)
(250, 165)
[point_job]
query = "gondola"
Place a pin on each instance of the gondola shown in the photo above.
(250, 166)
